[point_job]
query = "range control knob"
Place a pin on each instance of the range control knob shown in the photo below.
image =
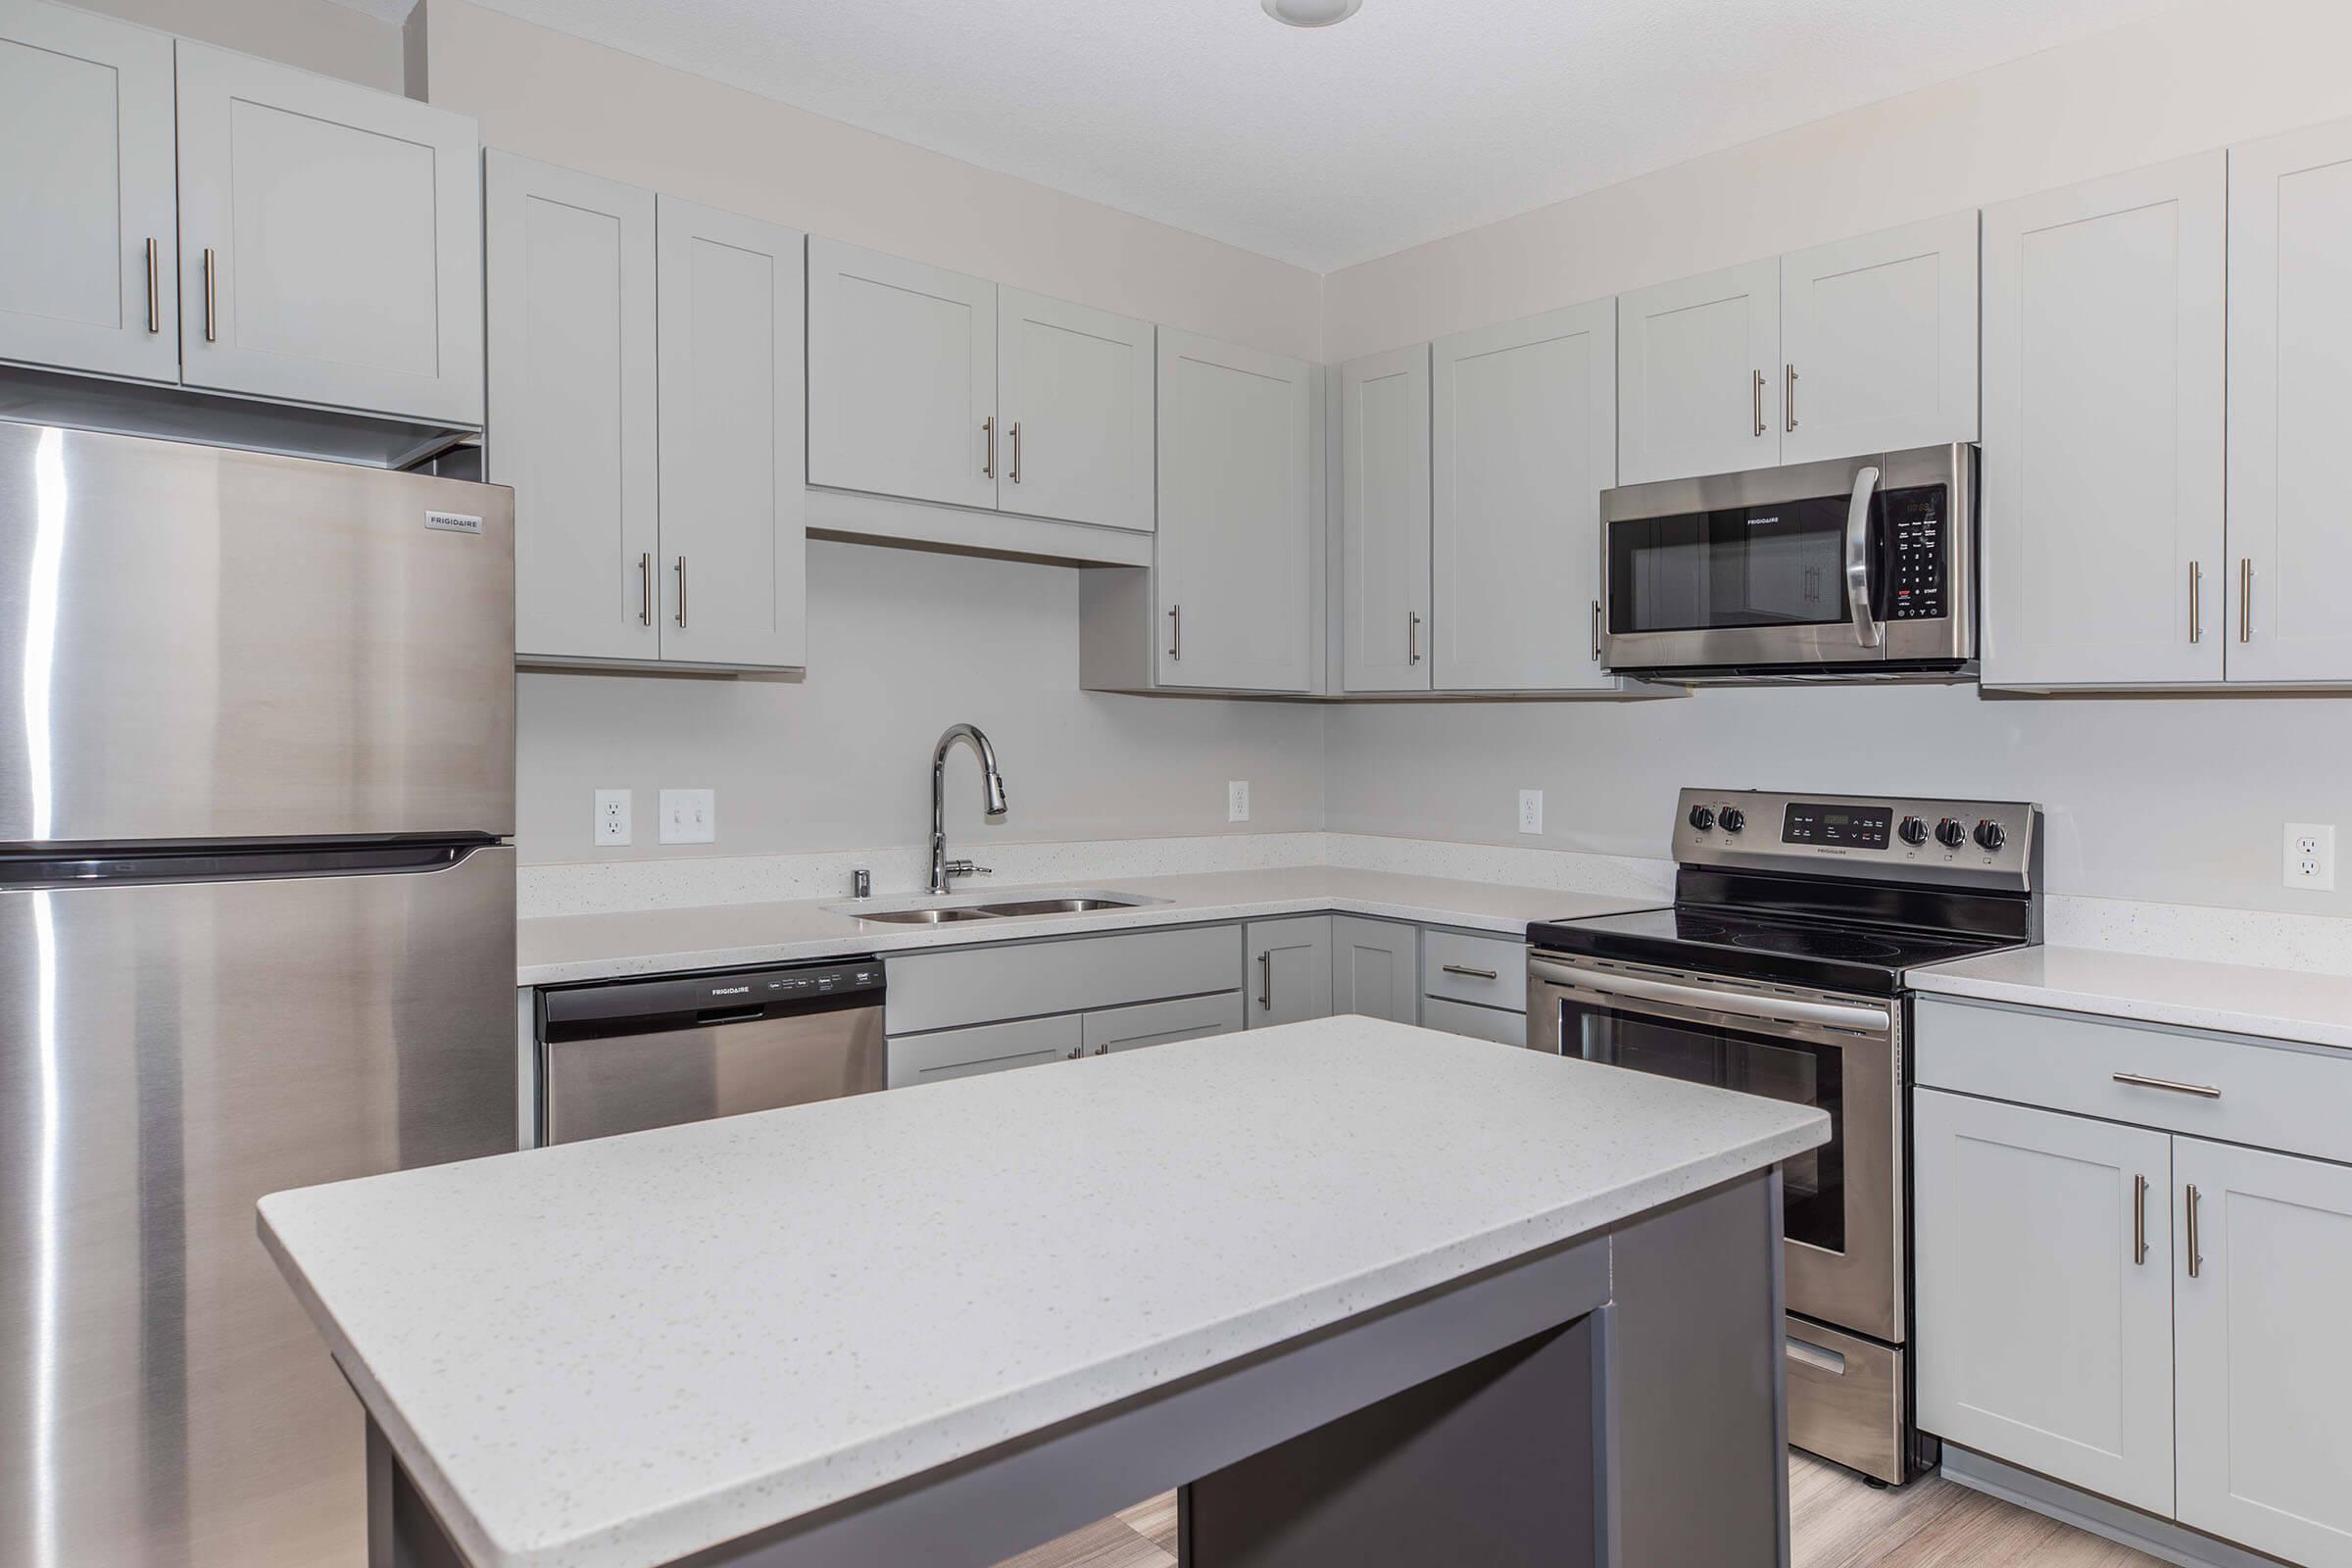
(1732, 819)
(1992, 835)
(1950, 834)
(1702, 818)
(1914, 832)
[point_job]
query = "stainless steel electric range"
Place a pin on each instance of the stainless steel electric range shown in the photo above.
(1779, 970)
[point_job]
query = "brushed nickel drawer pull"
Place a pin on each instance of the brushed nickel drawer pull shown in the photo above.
(1015, 475)
(1175, 633)
(1265, 970)
(2196, 601)
(988, 464)
(211, 326)
(645, 588)
(2196, 1253)
(2140, 1220)
(2169, 1084)
(1788, 398)
(681, 593)
(1412, 636)
(1466, 971)
(155, 298)
(1759, 397)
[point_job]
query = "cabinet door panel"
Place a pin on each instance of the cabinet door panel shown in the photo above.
(1384, 521)
(1688, 358)
(1237, 531)
(1523, 441)
(1160, 1023)
(2264, 1366)
(733, 502)
(2103, 426)
(1290, 970)
(1879, 342)
(1075, 395)
(344, 231)
(2044, 1336)
(903, 365)
(88, 211)
(1375, 968)
(2290, 403)
(570, 270)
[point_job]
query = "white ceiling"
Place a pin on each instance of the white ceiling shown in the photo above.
(1414, 120)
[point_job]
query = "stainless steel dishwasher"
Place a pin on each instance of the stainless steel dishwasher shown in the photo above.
(620, 1055)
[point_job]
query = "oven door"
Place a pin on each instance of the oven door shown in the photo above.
(1848, 563)
(1843, 1215)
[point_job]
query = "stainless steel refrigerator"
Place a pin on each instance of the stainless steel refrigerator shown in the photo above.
(256, 932)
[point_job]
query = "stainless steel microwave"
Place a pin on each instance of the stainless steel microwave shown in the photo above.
(1858, 568)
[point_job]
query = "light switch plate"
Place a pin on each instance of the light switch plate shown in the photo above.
(1531, 810)
(2311, 857)
(1237, 800)
(689, 816)
(611, 817)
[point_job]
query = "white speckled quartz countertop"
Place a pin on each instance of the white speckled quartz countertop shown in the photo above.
(2231, 997)
(562, 949)
(613, 1354)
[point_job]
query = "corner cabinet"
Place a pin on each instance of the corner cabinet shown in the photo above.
(1375, 968)
(645, 405)
(2102, 532)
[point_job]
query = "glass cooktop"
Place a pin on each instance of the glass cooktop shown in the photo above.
(1831, 955)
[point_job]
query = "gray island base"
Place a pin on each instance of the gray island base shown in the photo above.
(1599, 1393)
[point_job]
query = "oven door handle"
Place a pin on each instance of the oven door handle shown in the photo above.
(1857, 557)
(1776, 1009)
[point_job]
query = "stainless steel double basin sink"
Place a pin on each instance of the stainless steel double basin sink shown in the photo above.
(951, 911)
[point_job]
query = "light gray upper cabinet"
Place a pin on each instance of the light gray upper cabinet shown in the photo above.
(1290, 969)
(1375, 968)
(572, 419)
(902, 365)
(330, 241)
(2102, 523)
(1698, 375)
(1523, 440)
(2290, 403)
(1878, 341)
(2046, 1281)
(729, 357)
(1384, 521)
(2262, 1361)
(88, 271)
(1074, 398)
(1238, 533)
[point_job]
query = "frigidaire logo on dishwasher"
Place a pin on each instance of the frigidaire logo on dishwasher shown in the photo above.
(730, 991)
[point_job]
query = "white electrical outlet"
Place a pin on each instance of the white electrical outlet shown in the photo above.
(2311, 855)
(1236, 801)
(1531, 810)
(689, 816)
(612, 816)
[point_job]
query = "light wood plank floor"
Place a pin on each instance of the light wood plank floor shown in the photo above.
(1838, 1521)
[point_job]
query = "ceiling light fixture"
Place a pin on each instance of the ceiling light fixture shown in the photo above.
(1310, 13)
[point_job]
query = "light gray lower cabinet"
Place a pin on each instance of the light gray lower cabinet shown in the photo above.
(1498, 1024)
(1290, 969)
(1375, 969)
(987, 1047)
(1160, 1023)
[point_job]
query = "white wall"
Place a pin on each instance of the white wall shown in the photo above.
(2165, 799)
(315, 35)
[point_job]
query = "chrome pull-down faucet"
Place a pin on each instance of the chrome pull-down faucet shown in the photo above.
(991, 785)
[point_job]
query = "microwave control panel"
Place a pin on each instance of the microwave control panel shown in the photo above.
(1916, 550)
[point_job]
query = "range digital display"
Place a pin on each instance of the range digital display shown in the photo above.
(1839, 827)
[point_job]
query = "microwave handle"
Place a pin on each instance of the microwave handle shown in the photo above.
(1857, 557)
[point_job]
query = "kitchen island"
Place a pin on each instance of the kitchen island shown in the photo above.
(1367, 1292)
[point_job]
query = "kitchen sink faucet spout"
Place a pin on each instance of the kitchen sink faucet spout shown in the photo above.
(991, 785)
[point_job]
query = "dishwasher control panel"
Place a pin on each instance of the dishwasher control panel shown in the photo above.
(629, 1006)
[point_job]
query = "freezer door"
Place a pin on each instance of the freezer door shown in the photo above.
(169, 1054)
(198, 644)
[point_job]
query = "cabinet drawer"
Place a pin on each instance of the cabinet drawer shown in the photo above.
(942, 990)
(2269, 1096)
(1498, 1024)
(991, 1047)
(1491, 971)
(1159, 1023)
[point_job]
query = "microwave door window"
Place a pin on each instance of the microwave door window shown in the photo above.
(1779, 565)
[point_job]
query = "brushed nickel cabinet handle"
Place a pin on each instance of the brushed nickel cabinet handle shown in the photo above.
(1788, 397)
(155, 297)
(681, 593)
(1075, 1052)
(211, 315)
(1596, 631)
(2196, 601)
(645, 588)
(2196, 1253)
(1015, 475)
(1266, 986)
(1758, 392)
(988, 464)
(1175, 633)
(1412, 636)
(2245, 598)
(1465, 969)
(2172, 1086)
(2140, 1220)
(1103, 1050)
